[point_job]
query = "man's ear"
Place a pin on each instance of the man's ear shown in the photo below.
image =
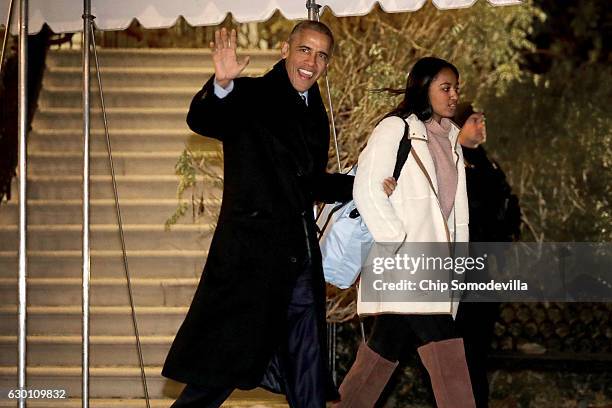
(285, 49)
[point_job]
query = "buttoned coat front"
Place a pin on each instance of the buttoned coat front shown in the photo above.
(275, 154)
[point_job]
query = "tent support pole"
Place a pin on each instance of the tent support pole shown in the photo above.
(87, 23)
(22, 107)
(313, 15)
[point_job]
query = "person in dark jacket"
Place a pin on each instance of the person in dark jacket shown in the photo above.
(258, 315)
(495, 216)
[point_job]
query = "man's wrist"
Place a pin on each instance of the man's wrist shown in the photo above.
(223, 83)
(222, 91)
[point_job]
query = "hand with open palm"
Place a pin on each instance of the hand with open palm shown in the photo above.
(227, 66)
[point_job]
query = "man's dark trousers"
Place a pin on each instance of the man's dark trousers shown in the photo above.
(304, 386)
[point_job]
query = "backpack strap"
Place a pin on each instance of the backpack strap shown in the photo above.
(402, 152)
(402, 155)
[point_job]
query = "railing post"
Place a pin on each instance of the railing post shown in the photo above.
(22, 127)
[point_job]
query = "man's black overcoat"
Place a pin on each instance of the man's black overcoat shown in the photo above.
(275, 152)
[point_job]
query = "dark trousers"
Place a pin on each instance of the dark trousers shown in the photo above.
(194, 396)
(299, 358)
(392, 332)
(476, 324)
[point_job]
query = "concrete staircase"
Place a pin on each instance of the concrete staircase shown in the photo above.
(147, 94)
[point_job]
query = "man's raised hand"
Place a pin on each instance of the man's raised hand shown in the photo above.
(227, 66)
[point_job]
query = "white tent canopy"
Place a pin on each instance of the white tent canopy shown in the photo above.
(65, 15)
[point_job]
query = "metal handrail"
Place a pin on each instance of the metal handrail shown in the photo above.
(7, 33)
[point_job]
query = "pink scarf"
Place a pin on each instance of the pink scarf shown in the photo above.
(444, 161)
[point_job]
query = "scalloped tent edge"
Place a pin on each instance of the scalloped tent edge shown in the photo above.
(64, 16)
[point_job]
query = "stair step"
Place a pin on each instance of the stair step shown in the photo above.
(237, 400)
(104, 350)
(103, 291)
(167, 57)
(106, 236)
(139, 140)
(118, 118)
(107, 264)
(132, 186)
(105, 382)
(105, 320)
(134, 97)
(102, 211)
(189, 77)
(93, 403)
(125, 163)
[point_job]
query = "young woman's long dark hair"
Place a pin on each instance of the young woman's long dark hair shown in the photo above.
(416, 95)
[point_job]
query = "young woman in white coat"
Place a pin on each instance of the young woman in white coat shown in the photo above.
(429, 204)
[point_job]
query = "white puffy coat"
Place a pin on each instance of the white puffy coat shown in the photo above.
(412, 213)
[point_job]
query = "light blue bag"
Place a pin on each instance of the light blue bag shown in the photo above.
(345, 240)
(344, 244)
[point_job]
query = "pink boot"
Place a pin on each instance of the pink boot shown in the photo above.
(447, 367)
(365, 380)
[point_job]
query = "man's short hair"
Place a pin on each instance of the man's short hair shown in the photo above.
(314, 26)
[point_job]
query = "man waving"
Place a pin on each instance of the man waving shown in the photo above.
(258, 315)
